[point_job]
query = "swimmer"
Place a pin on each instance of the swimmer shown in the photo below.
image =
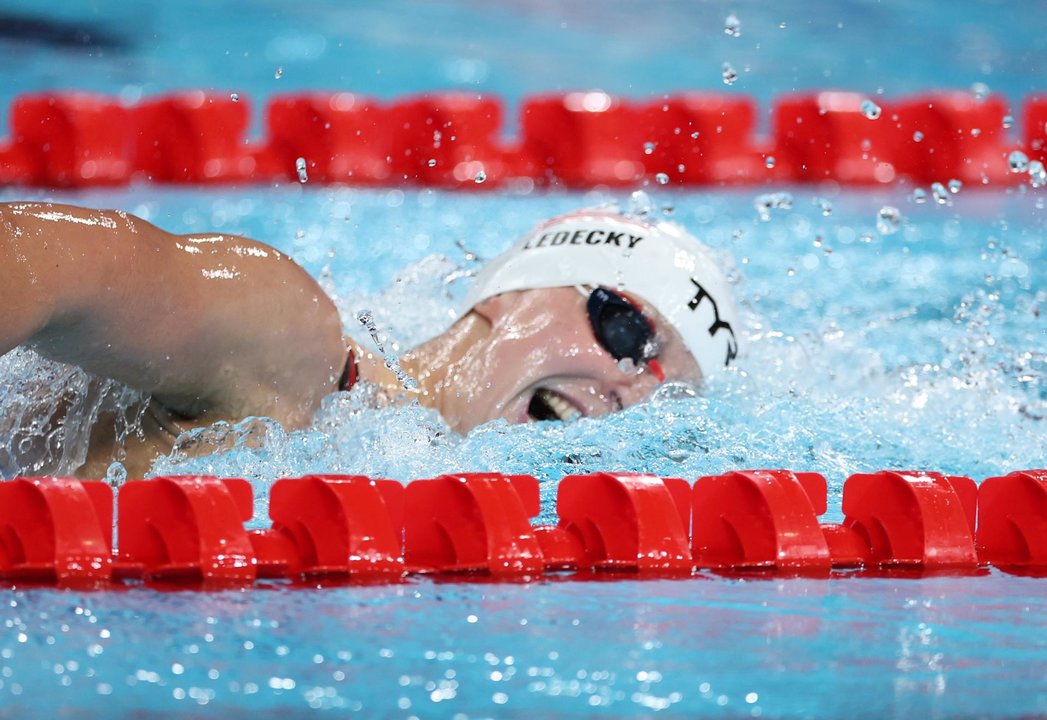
(585, 315)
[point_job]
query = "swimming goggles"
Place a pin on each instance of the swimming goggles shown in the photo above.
(623, 330)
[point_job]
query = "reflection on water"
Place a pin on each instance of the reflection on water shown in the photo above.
(870, 647)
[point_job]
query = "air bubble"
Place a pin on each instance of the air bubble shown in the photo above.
(431, 163)
(1018, 161)
(732, 26)
(888, 220)
(648, 148)
(954, 186)
(1008, 121)
(481, 177)
(870, 109)
(980, 91)
(825, 206)
(279, 73)
(235, 97)
(941, 195)
(729, 74)
(919, 196)
(769, 162)
(917, 136)
(299, 166)
(1037, 174)
(116, 475)
(662, 178)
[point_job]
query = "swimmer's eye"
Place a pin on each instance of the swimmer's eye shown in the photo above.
(620, 326)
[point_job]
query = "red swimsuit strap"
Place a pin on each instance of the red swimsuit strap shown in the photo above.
(350, 373)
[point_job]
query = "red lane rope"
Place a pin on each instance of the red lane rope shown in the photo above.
(189, 530)
(71, 139)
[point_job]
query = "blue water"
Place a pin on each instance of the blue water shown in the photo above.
(921, 348)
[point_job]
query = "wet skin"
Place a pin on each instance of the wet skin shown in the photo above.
(220, 327)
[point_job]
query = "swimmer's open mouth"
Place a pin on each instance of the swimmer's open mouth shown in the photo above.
(550, 405)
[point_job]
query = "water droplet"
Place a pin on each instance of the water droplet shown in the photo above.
(941, 195)
(1018, 161)
(825, 206)
(888, 220)
(769, 162)
(299, 165)
(235, 97)
(954, 186)
(116, 475)
(980, 91)
(662, 178)
(767, 202)
(917, 136)
(1008, 121)
(648, 148)
(640, 204)
(481, 177)
(729, 75)
(1037, 174)
(732, 26)
(870, 109)
(919, 196)
(279, 73)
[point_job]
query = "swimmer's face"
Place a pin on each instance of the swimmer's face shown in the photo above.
(538, 359)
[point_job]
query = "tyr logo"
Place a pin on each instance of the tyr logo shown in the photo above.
(718, 324)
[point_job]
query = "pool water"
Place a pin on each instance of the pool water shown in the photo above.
(921, 346)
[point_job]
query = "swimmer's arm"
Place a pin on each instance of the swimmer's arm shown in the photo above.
(213, 326)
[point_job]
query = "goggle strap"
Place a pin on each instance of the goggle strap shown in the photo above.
(656, 367)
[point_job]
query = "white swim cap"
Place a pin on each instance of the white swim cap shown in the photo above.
(659, 262)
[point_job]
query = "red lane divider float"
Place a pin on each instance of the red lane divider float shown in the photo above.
(189, 530)
(580, 139)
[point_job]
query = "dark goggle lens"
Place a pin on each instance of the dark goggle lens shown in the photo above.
(619, 325)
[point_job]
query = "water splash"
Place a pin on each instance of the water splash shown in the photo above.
(729, 74)
(732, 26)
(1037, 174)
(392, 361)
(768, 202)
(48, 411)
(870, 109)
(640, 204)
(1018, 162)
(888, 220)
